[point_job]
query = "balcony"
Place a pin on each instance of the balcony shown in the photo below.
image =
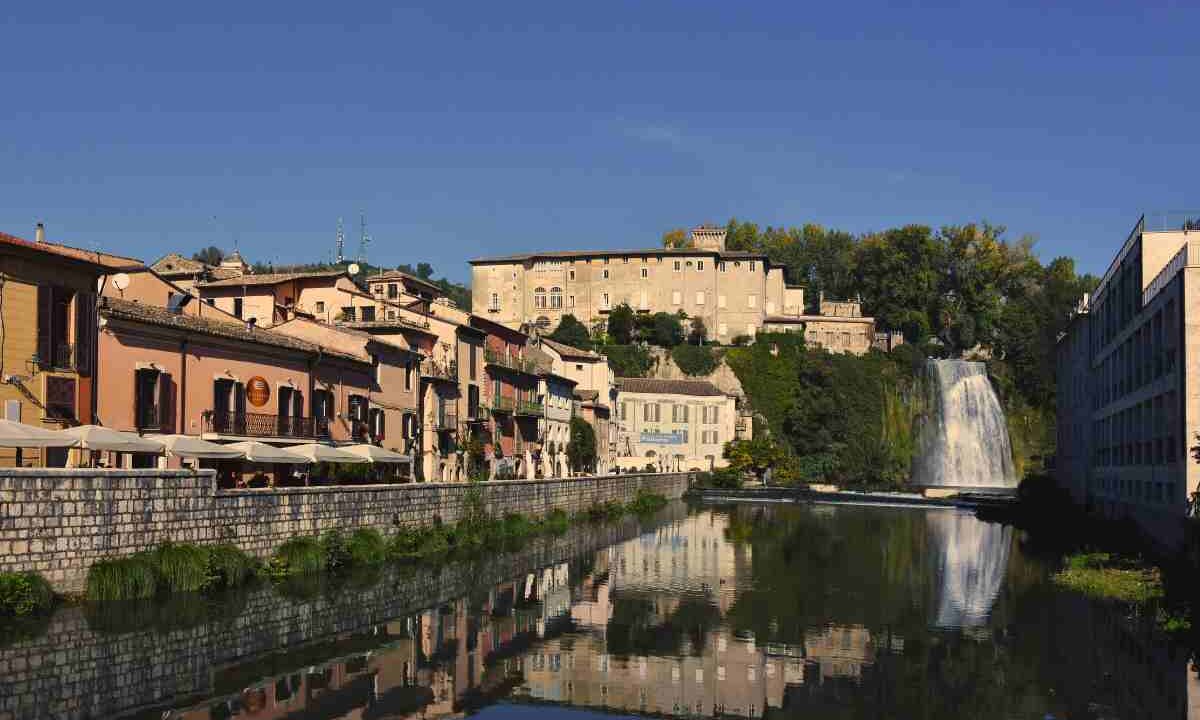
(444, 370)
(61, 356)
(445, 421)
(510, 362)
(261, 425)
(529, 408)
(502, 404)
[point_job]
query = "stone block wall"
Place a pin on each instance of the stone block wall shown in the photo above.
(59, 522)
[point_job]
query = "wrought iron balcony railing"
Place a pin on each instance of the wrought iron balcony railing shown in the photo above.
(447, 370)
(502, 404)
(512, 362)
(445, 421)
(527, 407)
(264, 425)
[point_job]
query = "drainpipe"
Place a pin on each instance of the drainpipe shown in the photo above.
(183, 387)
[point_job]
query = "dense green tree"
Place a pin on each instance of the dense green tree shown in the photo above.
(676, 238)
(572, 332)
(211, 255)
(754, 456)
(424, 270)
(666, 330)
(621, 324)
(581, 448)
(697, 331)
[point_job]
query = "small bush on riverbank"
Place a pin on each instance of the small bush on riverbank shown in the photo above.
(1102, 576)
(126, 578)
(299, 556)
(24, 593)
(366, 546)
(171, 567)
(646, 502)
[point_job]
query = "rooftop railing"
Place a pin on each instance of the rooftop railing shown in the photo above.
(1188, 255)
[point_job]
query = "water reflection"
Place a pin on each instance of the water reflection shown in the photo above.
(743, 612)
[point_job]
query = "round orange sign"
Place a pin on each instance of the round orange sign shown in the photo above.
(258, 392)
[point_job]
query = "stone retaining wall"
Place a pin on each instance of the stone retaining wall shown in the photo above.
(59, 522)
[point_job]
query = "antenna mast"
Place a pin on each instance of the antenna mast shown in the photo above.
(341, 243)
(364, 239)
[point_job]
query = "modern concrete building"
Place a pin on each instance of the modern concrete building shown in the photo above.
(732, 291)
(673, 424)
(1127, 413)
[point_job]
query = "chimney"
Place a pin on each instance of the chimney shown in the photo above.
(39, 235)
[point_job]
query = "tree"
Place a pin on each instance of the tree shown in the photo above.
(581, 448)
(666, 330)
(756, 456)
(621, 323)
(424, 270)
(697, 332)
(571, 332)
(676, 238)
(210, 255)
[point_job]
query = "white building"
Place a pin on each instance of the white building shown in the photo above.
(674, 425)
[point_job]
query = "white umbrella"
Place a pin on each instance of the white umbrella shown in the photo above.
(188, 446)
(260, 452)
(316, 452)
(14, 434)
(95, 437)
(376, 454)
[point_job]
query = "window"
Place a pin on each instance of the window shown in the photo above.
(720, 301)
(539, 297)
(494, 302)
(645, 273)
(391, 315)
(721, 266)
(700, 297)
(650, 412)
(676, 297)
(570, 274)
(349, 314)
(679, 413)
(751, 266)
(378, 289)
(571, 301)
(368, 314)
(604, 300)
(556, 297)
(474, 355)
(722, 329)
(320, 306)
(625, 260)
(605, 273)
(322, 404)
(356, 408)
(751, 301)
(699, 265)
(375, 424)
(408, 376)
(149, 390)
(678, 266)
(711, 414)
(393, 290)
(237, 307)
(623, 409)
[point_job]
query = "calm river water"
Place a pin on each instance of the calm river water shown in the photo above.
(826, 611)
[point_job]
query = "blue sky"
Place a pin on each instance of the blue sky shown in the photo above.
(466, 129)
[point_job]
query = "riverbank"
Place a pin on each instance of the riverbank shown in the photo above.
(805, 494)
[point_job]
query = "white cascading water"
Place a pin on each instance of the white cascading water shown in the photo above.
(963, 440)
(971, 559)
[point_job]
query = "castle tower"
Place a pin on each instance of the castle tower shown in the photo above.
(706, 237)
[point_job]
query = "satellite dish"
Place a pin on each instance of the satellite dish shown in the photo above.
(353, 269)
(120, 281)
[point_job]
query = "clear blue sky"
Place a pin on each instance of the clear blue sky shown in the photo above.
(500, 127)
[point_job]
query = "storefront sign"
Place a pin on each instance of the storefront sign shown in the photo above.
(660, 438)
(258, 392)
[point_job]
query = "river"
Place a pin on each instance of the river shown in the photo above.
(777, 611)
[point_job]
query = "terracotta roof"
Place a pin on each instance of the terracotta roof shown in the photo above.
(655, 386)
(271, 278)
(107, 261)
(570, 352)
(154, 315)
(403, 276)
(587, 395)
(796, 319)
(397, 324)
(176, 264)
(569, 254)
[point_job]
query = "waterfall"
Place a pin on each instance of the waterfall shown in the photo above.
(963, 437)
(970, 559)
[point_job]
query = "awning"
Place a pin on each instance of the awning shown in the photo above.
(316, 452)
(95, 437)
(260, 452)
(376, 454)
(14, 434)
(189, 446)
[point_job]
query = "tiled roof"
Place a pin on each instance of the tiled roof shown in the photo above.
(655, 386)
(105, 260)
(397, 324)
(154, 315)
(570, 352)
(797, 319)
(569, 254)
(587, 395)
(176, 264)
(271, 278)
(399, 275)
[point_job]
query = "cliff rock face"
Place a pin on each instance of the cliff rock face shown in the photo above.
(723, 377)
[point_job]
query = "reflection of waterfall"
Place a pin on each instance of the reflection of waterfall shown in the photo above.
(963, 441)
(971, 558)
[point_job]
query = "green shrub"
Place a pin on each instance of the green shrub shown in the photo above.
(125, 578)
(720, 479)
(298, 556)
(556, 522)
(24, 593)
(741, 340)
(180, 568)
(628, 360)
(366, 547)
(333, 549)
(1099, 575)
(646, 502)
(229, 566)
(695, 359)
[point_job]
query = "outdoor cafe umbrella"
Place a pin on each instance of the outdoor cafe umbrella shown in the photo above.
(318, 453)
(15, 434)
(259, 452)
(187, 446)
(95, 437)
(376, 454)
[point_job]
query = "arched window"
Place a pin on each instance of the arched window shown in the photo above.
(556, 297)
(543, 322)
(539, 297)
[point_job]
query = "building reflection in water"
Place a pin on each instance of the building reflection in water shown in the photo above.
(640, 627)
